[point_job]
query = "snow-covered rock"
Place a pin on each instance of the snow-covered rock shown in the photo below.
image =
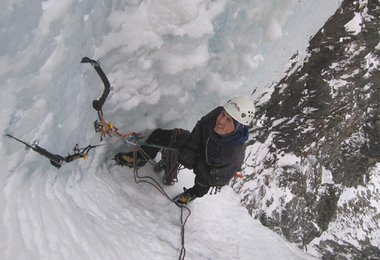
(313, 166)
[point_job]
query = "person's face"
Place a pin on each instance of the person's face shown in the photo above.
(224, 124)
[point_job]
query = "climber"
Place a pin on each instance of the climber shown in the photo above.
(214, 150)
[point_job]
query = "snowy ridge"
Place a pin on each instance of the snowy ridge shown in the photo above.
(315, 152)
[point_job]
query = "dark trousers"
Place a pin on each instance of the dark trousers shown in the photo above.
(161, 137)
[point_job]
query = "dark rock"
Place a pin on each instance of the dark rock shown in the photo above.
(320, 141)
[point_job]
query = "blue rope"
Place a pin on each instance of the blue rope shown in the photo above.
(157, 146)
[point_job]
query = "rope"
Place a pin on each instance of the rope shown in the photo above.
(109, 129)
(170, 157)
(183, 223)
(169, 164)
(157, 146)
(157, 186)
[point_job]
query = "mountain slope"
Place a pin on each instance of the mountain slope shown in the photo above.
(315, 156)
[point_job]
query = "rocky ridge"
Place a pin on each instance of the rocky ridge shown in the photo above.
(316, 147)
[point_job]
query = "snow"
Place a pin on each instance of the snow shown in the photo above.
(327, 176)
(353, 197)
(169, 62)
(371, 63)
(288, 160)
(354, 26)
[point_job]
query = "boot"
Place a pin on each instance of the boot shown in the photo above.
(126, 159)
(184, 198)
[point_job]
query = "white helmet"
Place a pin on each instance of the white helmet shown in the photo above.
(241, 109)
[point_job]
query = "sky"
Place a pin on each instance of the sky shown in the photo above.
(169, 62)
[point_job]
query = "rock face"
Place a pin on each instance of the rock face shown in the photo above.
(315, 155)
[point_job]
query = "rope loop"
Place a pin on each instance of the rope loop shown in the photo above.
(149, 180)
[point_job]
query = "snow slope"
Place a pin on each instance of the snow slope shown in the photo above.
(164, 59)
